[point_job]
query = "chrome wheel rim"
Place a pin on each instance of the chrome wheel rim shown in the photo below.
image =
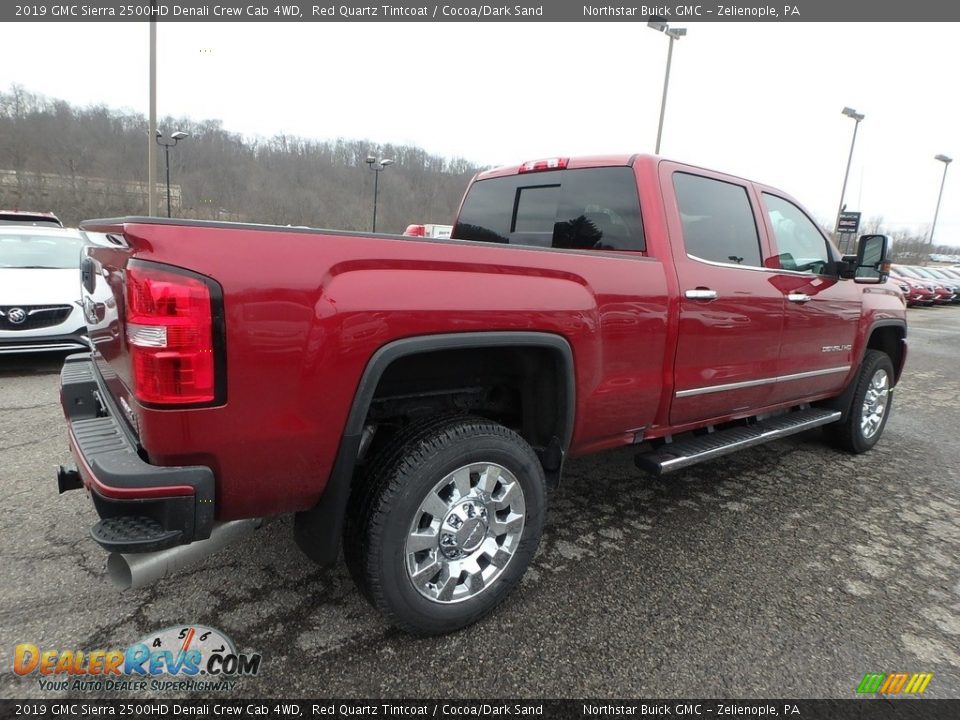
(465, 532)
(875, 404)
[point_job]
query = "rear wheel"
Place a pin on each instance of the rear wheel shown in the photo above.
(869, 407)
(445, 522)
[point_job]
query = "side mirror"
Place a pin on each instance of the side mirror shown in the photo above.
(871, 264)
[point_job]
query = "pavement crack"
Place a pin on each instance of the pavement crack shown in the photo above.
(18, 408)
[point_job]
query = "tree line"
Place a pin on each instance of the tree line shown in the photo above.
(89, 162)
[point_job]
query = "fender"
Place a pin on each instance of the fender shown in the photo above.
(317, 531)
(889, 322)
(842, 401)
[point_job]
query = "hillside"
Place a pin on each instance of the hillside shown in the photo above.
(89, 162)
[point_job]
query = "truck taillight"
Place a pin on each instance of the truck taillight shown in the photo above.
(548, 164)
(171, 334)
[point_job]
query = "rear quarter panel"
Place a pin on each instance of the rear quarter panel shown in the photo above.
(305, 311)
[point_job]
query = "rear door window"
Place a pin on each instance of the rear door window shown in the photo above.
(718, 222)
(587, 209)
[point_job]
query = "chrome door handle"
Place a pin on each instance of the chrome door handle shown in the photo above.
(798, 297)
(700, 294)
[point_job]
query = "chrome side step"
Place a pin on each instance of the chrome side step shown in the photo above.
(685, 453)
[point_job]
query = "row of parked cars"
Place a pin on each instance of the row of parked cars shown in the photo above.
(40, 308)
(927, 285)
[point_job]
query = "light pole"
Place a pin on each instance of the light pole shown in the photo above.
(946, 162)
(151, 148)
(176, 137)
(673, 34)
(378, 165)
(857, 117)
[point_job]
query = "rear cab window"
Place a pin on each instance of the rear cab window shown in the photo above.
(583, 209)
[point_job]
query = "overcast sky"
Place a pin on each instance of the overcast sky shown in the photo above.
(761, 100)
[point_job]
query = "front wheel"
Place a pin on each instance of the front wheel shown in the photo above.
(869, 407)
(445, 523)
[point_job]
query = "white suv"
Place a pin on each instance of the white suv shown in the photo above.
(40, 308)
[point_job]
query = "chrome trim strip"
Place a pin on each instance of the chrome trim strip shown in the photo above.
(738, 266)
(756, 268)
(58, 347)
(50, 308)
(723, 388)
(754, 383)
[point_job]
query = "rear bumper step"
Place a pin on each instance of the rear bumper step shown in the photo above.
(133, 534)
(685, 453)
(144, 507)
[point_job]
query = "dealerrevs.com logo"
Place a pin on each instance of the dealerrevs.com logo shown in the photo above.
(182, 658)
(894, 683)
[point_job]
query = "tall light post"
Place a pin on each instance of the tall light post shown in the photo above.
(673, 34)
(857, 117)
(378, 165)
(151, 148)
(176, 137)
(946, 162)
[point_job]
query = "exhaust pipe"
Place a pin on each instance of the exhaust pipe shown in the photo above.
(136, 570)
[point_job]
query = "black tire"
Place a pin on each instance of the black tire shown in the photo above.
(393, 492)
(850, 433)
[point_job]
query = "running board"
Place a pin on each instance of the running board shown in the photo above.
(685, 453)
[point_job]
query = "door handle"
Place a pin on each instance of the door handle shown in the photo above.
(700, 294)
(798, 298)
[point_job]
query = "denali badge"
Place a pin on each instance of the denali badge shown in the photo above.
(836, 348)
(131, 416)
(17, 316)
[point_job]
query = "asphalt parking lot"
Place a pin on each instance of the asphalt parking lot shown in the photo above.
(789, 570)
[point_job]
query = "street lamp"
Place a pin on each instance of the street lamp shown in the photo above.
(673, 34)
(946, 161)
(857, 117)
(176, 137)
(151, 148)
(378, 165)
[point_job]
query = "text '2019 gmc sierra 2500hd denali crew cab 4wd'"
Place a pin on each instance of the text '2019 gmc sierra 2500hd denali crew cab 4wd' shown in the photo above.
(417, 398)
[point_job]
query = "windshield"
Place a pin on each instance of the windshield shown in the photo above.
(909, 272)
(937, 273)
(29, 220)
(23, 250)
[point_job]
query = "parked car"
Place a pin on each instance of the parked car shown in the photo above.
(915, 292)
(944, 292)
(429, 230)
(18, 217)
(421, 402)
(945, 278)
(952, 273)
(40, 307)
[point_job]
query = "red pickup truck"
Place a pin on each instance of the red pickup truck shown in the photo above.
(417, 397)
